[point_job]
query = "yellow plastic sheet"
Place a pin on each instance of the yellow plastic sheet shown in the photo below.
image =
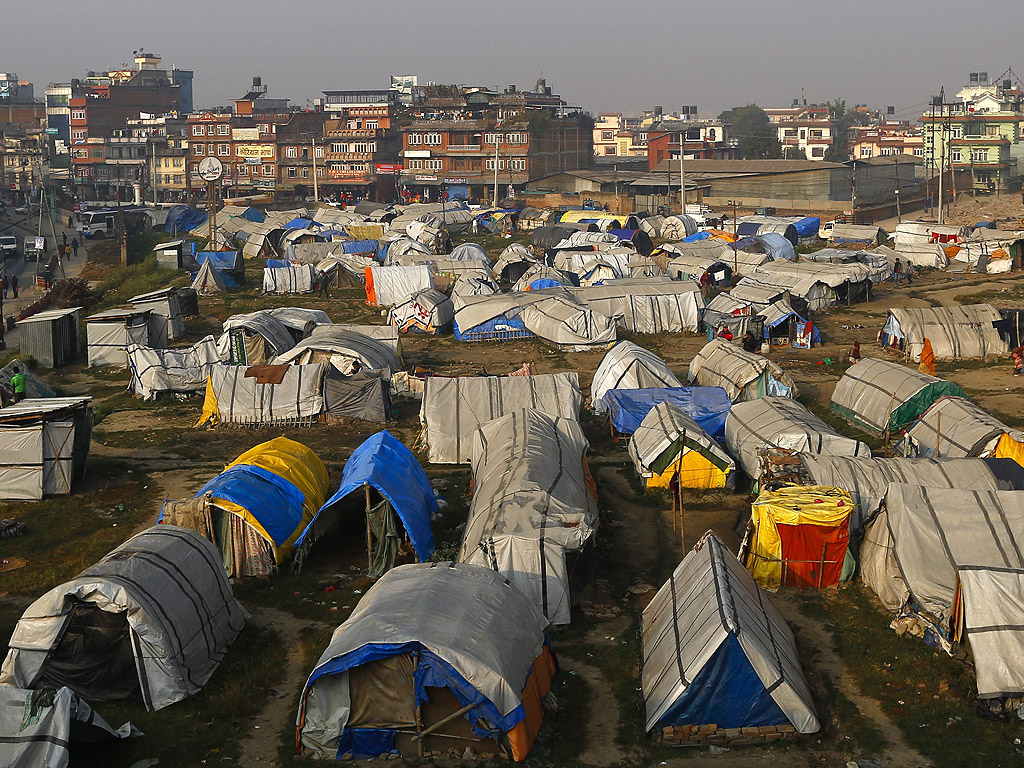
(694, 472)
(1008, 448)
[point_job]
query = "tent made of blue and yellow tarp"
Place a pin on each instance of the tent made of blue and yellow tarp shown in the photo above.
(275, 489)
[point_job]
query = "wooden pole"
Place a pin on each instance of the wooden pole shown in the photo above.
(427, 731)
(821, 566)
(679, 490)
(938, 435)
(369, 536)
(888, 420)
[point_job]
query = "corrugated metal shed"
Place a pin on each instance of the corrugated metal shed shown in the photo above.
(51, 337)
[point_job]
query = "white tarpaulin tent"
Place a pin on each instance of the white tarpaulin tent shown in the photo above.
(164, 304)
(289, 394)
(530, 505)
(39, 728)
(781, 422)
(867, 480)
(109, 334)
(258, 337)
(342, 345)
(919, 241)
(707, 627)
(956, 332)
(956, 428)
(931, 547)
(743, 375)
(387, 286)
(130, 625)
(562, 320)
(651, 305)
(629, 366)
(208, 280)
(298, 278)
(171, 370)
(427, 311)
(44, 444)
(454, 408)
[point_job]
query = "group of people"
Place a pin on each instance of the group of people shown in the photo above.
(68, 249)
(10, 285)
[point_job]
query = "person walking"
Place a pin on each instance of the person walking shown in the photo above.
(71, 222)
(74, 247)
(14, 285)
(65, 236)
(18, 384)
(897, 272)
(321, 286)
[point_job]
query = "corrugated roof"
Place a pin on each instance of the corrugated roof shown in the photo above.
(738, 167)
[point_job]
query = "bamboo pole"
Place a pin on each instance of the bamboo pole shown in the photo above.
(679, 490)
(938, 435)
(369, 535)
(427, 731)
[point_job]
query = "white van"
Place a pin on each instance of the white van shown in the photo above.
(97, 224)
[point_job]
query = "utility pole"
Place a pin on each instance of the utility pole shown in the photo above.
(497, 146)
(942, 154)
(316, 189)
(896, 165)
(682, 173)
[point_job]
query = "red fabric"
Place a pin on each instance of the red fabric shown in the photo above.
(803, 542)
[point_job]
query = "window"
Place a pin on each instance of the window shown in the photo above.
(607, 135)
(179, 178)
(415, 139)
(195, 169)
(711, 134)
(291, 151)
(338, 148)
(955, 156)
(495, 138)
(223, 130)
(263, 128)
(198, 150)
(224, 150)
(305, 173)
(198, 130)
(178, 162)
(991, 130)
(336, 166)
(96, 153)
(318, 152)
(918, 151)
(957, 132)
(609, 150)
(371, 125)
(517, 164)
(268, 170)
(979, 156)
(865, 152)
(433, 164)
(293, 172)
(415, 165)
(489, 165)
(242, 169)
(78, 135)
(815, 133)
(365, 146)
(803, 134)
(432, 139)
(515, 138)
(353, 125)
(78, 114)
(817, 151)
(790, 133)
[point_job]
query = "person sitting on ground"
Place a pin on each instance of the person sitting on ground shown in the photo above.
(1017, 356)
(855, 353)
(750, 342)
(18, 384)
(725, 333)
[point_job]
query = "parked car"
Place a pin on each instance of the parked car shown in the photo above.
(9, 246)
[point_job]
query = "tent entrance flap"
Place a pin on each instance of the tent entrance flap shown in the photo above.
(384, 539)
(94, 656)
(812, 555)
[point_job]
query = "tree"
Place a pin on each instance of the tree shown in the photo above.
(758, 138)
(842, 120)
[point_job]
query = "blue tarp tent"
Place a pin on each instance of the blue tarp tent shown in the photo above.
(229, 264)
(301, 223)
(182, 218)
(278, 263)
(384, 463)
(255, 215)
(361, 246)
(807, 227)
(696, 236)
(708, 406)
(776, 246)
(640, 239)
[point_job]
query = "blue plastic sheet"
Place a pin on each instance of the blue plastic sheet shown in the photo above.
(696, 236)
(776, 245)
(384, 463)
(300, 223)
(497, 328)
(182, 218)
(278, 263)
(273, 501)
(808, 226)
(361, 246)
(708, 406)
(366, 743)
(727, 692)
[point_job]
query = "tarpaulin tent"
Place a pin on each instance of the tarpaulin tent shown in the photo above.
(540, 276)
(544, 238)
(165, 308)
(254, 338)
(717, 652)
(781, 422)
(453, 409)
(111, 332)
(256, 508)
(629, 366)
(693, 266)
(553, 315)
(182, 218)
(1011, 327)
(444, 646)
(494, 317)
(469, 251)
(473, 286)
(807, 227)
(640, 239)
(800, 536)
(296, 278)
(948, 557)
(151, 620)
(386, 286)
(35, 385)
(342, 346)
(364, 395)
(749, 226)
(677, 227)
(180, 370)
(956, 332)
(956, 428)
(531, 505)
(918, 241)
(563, 320)
(208, 280)
(512, 263)
(646, 305)
(230, 265)
(855, 233)
(44, 444)
(381, 462)
(883, 396)
(867, 480)
(39, 728)
(264, 395)
(708, 406)
(670, 446)
(743, 375)
(426, 311)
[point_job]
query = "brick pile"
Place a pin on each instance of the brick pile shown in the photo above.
(699, 735)
(599, 610)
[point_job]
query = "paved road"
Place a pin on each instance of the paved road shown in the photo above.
(21, 226)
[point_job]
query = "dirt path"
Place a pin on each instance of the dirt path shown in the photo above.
(602, 724)
(260, 746)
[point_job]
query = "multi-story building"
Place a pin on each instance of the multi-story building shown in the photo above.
(14, 90)
(361, 151)
(21, 157)
(805, 131)
(980, 134)
(606, 133)
(885, 139)
(704, 140)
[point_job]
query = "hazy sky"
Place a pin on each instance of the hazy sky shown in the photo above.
(605, 56)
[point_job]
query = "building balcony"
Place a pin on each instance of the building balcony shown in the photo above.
(349, 156)
(465, 147)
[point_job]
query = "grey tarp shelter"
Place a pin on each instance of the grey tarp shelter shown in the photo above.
(781, 422)
(955, 332)
(453, 409)
(668, 431)
(166, 310)
(39, 728)
(743, 375)
(933, 547)
(235, 395)
(868, 479)
(646, 305)
(181, 370)
(111, 332)
(152, 619)
(428, 624)
(956, 428)
(44, 444)
(51, 337)
(341, 345)
(531, 505)
(256, 338)
(713, 645)
(884, 396)
(629, 366)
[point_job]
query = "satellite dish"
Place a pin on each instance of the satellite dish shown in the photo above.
(211, 169)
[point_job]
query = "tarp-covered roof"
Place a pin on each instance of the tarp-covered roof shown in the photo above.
(708, 406)
(956, 428)
(663, 429)
(629, 366)
(329, 341)
(743, 375)
(955, 332)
